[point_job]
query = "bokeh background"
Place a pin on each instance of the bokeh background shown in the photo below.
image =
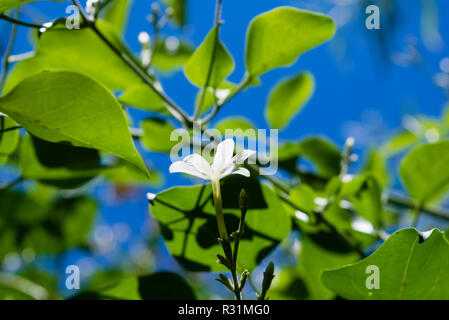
(369, 83)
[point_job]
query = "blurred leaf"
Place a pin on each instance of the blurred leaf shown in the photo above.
(116, 14)
(409, 270)
(425, 171)
(272, 39)
(171, 54)
(140, 97)
(125, 174)
(6, 5)
(197, 67)
(288, 98)
(157, 286)
(376, 166)
(400, 142)
(57, 164)
(156, 134)
(8, 139)
(49, 105)
(365, 195)
(179, 10)
(26, 223)
(186, 216)
(323, 154)
(234, 123)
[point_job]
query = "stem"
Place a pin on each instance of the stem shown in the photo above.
(416, 214)
(199, 106)
(242, 86)
(18, 22)
(9, 48)
(216, 192)
(171, 106)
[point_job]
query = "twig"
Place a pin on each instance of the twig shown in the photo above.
(199, 106)
(18, 22)
(9, 48)
(10, 129)
(242, 86)
(171, 106)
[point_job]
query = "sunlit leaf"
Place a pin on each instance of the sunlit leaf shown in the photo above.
(400, 142)
(278, 37)
(179, 10)
(425, 173)
(67, 107)
(323, 154)
(171, 54)
(8, 139)
(116, 14)
(197, 67)
(288, 98)
(156, 134)
(234, 123)
(408, 268)
(6, 5)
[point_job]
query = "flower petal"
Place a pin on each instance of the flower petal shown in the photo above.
(223, 155)
(242, 171)
(182, 167)
(242, 155)
(200, 164)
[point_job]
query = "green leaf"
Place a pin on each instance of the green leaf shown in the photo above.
(425, 173)
(171, 54)
(157, 286)
(124, 174)
(322, 153)
(400, 142)
(197, 67)
(409, 269)
(117, 15)
(278, 37)
(179, 10)
(320, 251)
(8, 139)
(140, 97)
(79, 51)
(9, 4)
(234, 123)
(156, 134)
(43, 227)
(72, 108)
(288, 98)
(365, 195)
(376, 166)
(57, 164)
(186, 216)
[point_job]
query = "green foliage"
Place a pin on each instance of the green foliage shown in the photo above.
(179, 10)
(425, 173)
(171, 56)
(28, 222)
(156, 134)
(288, 98)
(187, 221)
(156, 286)
(8, 139)
(10, 4)
(117, 15)
(197, 67)
(272, 39)
(409, 268)
(65, 116)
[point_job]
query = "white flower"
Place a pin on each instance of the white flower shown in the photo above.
(224, 163)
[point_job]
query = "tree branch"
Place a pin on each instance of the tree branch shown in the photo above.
(9, 48)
